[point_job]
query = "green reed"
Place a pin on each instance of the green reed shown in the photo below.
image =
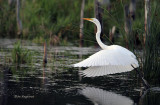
(21, 55)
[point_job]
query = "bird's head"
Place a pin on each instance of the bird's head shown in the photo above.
(94, 20)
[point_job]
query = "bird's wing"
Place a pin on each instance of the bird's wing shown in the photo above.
(104, 70)
(102, 97)
(111, 56)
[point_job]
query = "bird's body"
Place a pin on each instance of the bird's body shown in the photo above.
(111, 57)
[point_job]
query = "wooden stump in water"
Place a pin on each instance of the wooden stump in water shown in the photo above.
(45, 55)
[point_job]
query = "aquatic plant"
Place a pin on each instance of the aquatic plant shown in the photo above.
(21, 55)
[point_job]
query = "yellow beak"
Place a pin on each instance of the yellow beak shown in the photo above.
(87, 19)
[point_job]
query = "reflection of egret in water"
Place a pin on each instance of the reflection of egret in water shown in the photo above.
(102, 97)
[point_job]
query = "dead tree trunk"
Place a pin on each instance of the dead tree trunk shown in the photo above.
(98, 14)
(127, 24)
(81, 23)
(147, 19)
(19, 22)
(132, 9)
(111, 34)
(10, 2)
(105, 3)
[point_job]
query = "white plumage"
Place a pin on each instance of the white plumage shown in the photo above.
(104, 70)
(113, 55)
(114, 58)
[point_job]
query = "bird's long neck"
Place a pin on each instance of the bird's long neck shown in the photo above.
(102, 45)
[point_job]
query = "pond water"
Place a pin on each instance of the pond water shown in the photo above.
(60, 84)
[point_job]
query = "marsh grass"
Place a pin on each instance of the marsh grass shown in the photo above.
(152, 50)
(21, 55)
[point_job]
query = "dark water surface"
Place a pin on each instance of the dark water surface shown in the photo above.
(60, 84)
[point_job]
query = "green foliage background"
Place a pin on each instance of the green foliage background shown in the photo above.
(44, 19)
(57, 21)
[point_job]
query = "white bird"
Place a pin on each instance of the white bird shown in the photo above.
(113, 58)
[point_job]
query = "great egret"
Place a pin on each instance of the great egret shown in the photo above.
(111, 59)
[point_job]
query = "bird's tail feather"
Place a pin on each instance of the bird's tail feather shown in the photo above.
(104, 70)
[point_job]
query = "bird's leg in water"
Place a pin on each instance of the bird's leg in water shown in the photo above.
(145, 83)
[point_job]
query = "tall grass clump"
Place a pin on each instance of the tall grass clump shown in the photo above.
(21, 55)
(151, 62)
